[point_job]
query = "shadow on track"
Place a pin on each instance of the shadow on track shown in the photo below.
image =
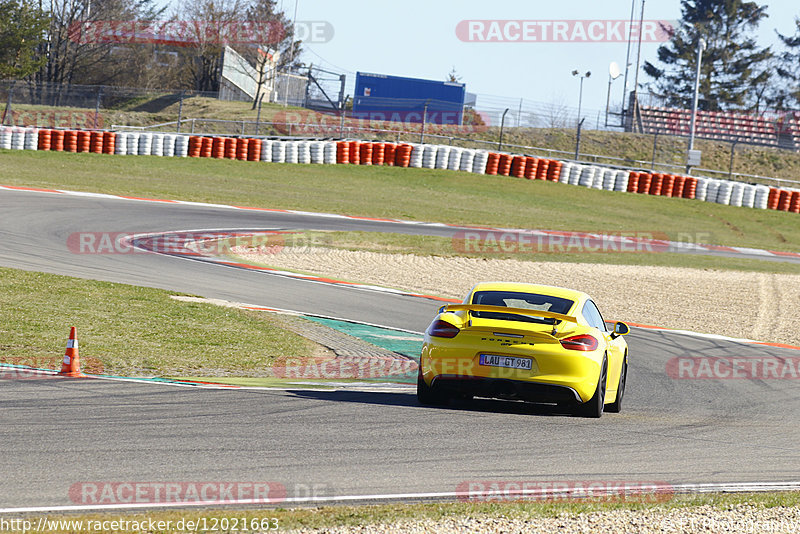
(409, 400)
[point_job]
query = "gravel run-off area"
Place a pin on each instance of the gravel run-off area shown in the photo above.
(758, 306)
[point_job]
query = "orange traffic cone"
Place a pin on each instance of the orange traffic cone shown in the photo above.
(71, 366)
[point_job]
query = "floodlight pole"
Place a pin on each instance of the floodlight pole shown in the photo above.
(701, 45)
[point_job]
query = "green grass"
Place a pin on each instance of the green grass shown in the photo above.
(134, 331)
(419, 194)
(356, 516)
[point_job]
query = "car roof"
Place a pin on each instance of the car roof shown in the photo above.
(571, 294)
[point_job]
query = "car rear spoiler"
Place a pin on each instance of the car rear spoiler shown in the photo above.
(504, 309)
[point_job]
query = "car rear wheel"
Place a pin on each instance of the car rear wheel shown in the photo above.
(427, 395)
(594, 406)
(616, 406)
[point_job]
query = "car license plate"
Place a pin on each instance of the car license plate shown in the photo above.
(510, 362)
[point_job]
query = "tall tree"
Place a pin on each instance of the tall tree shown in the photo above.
(22, 29)
(77, 49)
(789, 69)
(733, 69)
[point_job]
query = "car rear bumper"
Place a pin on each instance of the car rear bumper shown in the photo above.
(502, 388)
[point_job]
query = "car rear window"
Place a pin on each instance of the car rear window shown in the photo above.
(515, 299)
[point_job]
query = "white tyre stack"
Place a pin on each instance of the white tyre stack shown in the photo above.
(133, 144)
(145, 144)
(5, 138)
(609, 178)
(480, 161)
(303, 152)
(575, 174)
(279, 152)
(291, 152)
(266, 150)
(566, 170)
(454, 159)
(329, 153)
(32, 139)
(598, 180)
(417, 151)
(442, 157)
(182, 146)
(121, 146)
(168, 147)
(467, 160)
(316, 148)
(17, 139)
(429, 156)
(724, 192)
(621, 181)
(748, 195)
(157, 145)
(737, 194)
(587, 176)
(713, 190)
(761, 199)
(702, 189)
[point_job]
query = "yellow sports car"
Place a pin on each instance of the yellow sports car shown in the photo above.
(526, 342)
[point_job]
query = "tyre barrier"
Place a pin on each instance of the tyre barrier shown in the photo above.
(132, 144)
(378, 154)
(504, 165)
(415, 159)
(254, 150)
(454, 158)
(467, 163)
(442, 157)
(157, 145)
(492, 163)
(279, 152)
(772, 199)
(121, 146)
(542, 169)
(518, 164)
(794, 202)
(365, 154)
(725, 192)
(168, 145)
(480, 161)
(429, 156)
(389, 154)
(403, 155)
(784, 199)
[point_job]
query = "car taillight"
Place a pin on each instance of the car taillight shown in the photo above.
(441, 328)
(583, 342)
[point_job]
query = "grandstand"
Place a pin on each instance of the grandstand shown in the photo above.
(779, 130)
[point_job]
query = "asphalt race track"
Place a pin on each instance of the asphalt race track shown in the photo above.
(58, 432)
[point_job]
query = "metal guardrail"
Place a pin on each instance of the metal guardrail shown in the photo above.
(293, 129)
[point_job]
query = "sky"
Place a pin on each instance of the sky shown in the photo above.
(418, 38)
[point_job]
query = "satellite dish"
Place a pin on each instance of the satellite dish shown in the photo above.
(613, 70)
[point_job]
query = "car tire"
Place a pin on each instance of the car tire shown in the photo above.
(428, 396)
(616, 406)
(594, 406)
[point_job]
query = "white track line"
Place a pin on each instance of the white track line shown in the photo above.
(534, 494)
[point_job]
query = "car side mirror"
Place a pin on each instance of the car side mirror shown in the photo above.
(441, 310)
(620, 329)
